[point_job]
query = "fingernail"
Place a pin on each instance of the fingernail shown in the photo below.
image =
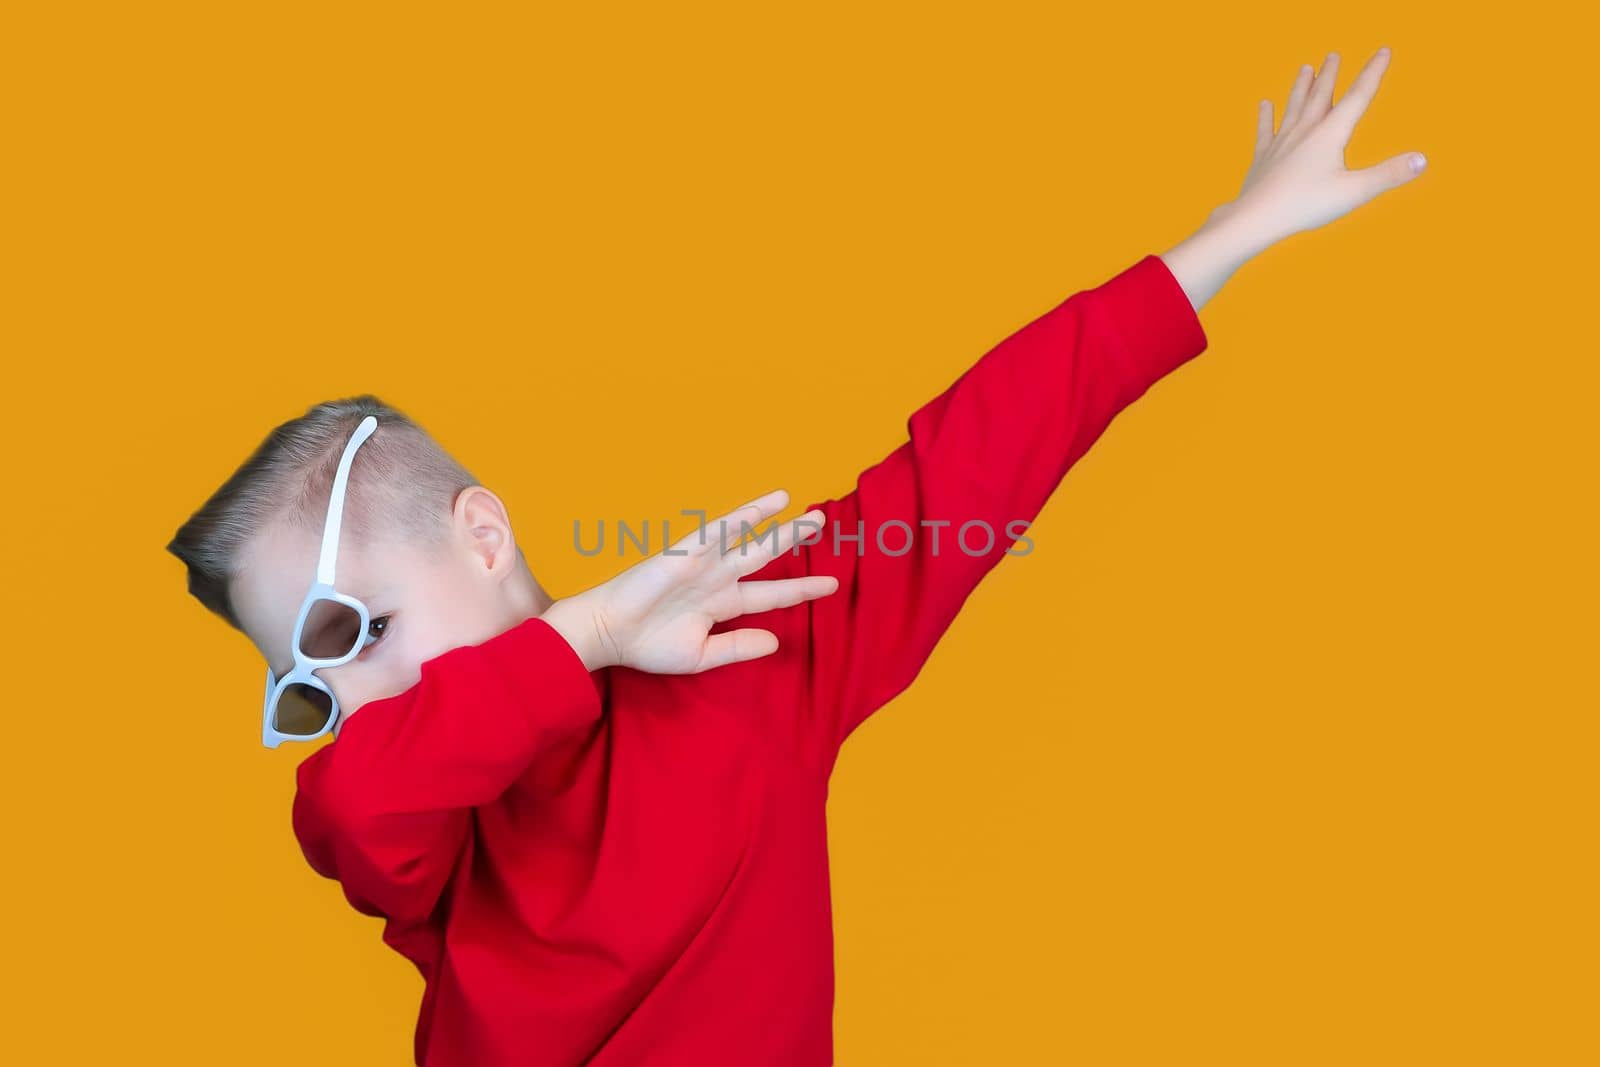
(1418, 161)
(1384, 50)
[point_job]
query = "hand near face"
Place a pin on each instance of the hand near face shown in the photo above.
(657, 615)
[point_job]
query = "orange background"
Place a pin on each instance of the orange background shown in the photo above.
(1278, 749)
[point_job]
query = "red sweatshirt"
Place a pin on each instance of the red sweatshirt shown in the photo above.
(616, 868)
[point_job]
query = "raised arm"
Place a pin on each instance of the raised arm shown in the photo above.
(924, 525)
(385, 809)
(987, 453)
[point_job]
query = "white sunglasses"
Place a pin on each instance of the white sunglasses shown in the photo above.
(331, 629)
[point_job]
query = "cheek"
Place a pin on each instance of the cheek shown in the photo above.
(421, 639)
(453, 611)
(393, 667)
(430, 629)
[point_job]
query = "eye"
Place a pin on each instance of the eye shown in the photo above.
(376, 630)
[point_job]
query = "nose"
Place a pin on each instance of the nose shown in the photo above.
(339, 685)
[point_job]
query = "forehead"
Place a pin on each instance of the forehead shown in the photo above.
(278, 566)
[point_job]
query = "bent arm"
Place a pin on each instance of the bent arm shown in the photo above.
(386, 808)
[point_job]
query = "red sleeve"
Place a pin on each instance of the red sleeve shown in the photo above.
(385, 808)
(985, 454)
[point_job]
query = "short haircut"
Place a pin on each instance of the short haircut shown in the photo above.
(402, 487)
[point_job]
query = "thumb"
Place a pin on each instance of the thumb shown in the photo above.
(1390, 174)
(736, 646)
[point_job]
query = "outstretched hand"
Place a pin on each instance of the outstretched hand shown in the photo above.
(657, 615)
(1297, 178)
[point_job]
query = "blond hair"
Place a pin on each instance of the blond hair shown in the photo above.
(403, 486)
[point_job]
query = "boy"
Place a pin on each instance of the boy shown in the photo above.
(596, 824)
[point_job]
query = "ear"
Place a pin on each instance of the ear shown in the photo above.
(485, 529)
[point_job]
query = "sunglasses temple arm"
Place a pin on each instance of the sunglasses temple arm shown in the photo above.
(330, 532)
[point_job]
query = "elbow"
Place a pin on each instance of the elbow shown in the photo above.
(389, 862)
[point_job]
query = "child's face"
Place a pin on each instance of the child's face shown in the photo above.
(421, 602)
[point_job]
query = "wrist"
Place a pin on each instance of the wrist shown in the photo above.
(1233, 234)
(1241, 230)
(575, 620)
(1202, 262)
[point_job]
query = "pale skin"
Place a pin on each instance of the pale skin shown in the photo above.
(657, 615)
(1297, 179)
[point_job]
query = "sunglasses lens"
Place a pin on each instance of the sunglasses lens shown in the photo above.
(331, 630)
(302, 710)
